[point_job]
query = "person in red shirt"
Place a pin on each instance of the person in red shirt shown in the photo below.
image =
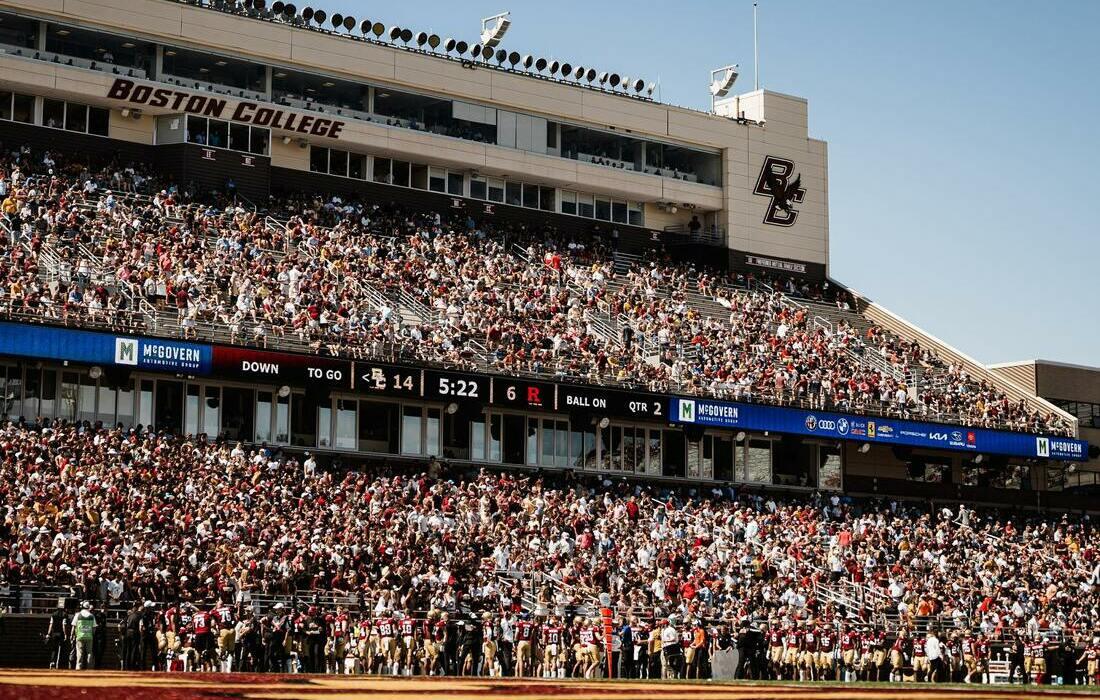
(525, 632)
(826, 653)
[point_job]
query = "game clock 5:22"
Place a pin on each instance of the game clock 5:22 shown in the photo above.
(455, 386)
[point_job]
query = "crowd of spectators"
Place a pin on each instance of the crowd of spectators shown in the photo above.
(349, 278)
(122, 516)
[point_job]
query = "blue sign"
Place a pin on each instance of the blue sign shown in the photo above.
(50, 343)
(889, 431)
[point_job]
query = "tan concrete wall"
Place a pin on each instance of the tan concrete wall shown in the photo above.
(744, 146)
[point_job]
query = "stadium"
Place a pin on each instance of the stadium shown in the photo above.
(341, 358)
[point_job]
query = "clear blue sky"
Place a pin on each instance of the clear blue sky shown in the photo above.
(962, 138)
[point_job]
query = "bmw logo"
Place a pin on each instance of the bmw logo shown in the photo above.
(842, 426)
(811, 422)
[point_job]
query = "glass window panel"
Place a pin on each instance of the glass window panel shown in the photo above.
(219, 134)
(477, 438)
(401, 173)
(324, 425)
(411, 421)
(69, 388)
(694, 459)
(126, 405)
(5, 105)
(546, 456)
(531, 196)
(419, 177)
(99, 121)
(723, 458)
(22, 109)
(758, 462)
(196, 130)
(53, 113)
(85, 405)
(347, 426)
(382, 170)
(168, 412)
(48, 394)
(263, 416)
(357, 166)
(653, 459)
(513, 194)
(238, 137)
(432, 446)
(318, 159)
(76, 117)
(568, 202)
(495, 428)
(546, 198)
(303, 427)
(260, 139)
(496, 190)
(532, 441)
(211, 412)
(515, 439)
(191, 410)
(618, 212)
(628, 453)
(479, 189)
(378, 426)
(456, 436)
(455, 184)
(437, 180)
(829, 468)
(603, 209)
(145, 404)
(584, 206)
(338, 162)
(239, 409)
(634, 216)
(561, 444)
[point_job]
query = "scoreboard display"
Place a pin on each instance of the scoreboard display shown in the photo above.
(455, 386)
(523, 393)
(388, 380)
(610, 402)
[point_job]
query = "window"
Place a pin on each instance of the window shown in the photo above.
(634, 214)
(546, 198)
(758, 463)
(53, 113)
(338, 163)
(76, 118)
(551, 135)
(411, 421)
(259, 139)
(378, 427)
(219, 134)
(347, 426)
(513, 194)
(357, 166)
(401, 173)
(318, 159)
(238, 137)
(531, 196)
(437, 180)
(496, 190)
(263, 416)
(420, 177)
(479, 189)
(382, 170)
(454, 184)
(196, 130)
(212, 412)
(584, 206)
(603, 209)
(5, 105)
(618, 212)
(568, 202)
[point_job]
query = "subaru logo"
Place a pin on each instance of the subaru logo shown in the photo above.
(811, 422)
(956, 436)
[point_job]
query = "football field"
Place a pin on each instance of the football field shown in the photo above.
(35, 684)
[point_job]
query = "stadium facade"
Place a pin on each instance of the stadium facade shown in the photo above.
(213, 96)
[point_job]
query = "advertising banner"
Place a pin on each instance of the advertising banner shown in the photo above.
(889, 431)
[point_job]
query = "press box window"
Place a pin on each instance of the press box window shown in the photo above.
(568, 202)
(479, 189)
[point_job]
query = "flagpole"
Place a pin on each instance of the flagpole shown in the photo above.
(755, 52)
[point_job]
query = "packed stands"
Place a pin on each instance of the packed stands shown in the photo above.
(127, 518)
(87, 247)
